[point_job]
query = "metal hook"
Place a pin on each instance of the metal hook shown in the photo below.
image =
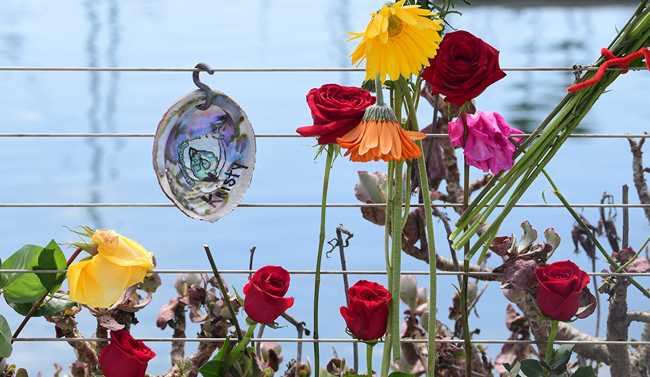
(577, 71)
(209, 94)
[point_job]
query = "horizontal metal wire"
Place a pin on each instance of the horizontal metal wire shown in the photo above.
(67, 135)
(342, 340)
(306, 205)
(323, 272)
(576, 68)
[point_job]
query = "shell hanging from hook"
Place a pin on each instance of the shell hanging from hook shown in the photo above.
(204, 153)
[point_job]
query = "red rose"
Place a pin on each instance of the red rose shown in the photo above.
(265, 291)
(367, 313)
(336, 110)
(124, 356)
(463, 67)
(560, 287)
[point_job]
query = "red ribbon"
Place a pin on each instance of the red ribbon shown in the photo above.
(612, 61)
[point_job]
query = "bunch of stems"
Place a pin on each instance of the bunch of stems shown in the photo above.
(405, 97)
(544, 143)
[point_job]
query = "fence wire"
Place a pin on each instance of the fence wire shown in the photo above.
(341, 340)
(64, 135)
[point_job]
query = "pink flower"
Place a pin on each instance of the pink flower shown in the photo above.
(488, 147)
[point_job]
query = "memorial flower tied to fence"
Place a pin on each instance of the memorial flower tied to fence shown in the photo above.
(409, 53)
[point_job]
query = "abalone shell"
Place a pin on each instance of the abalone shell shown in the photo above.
(204, 159)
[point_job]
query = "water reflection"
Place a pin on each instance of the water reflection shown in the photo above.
(339, 26)
(113, 80)
(97, 152)
(12, 42)
(535, 93)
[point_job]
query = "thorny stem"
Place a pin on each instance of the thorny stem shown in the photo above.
(224, 291)
(40, 301)
(319, 257)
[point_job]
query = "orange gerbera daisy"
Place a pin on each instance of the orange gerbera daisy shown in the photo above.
(380, 136)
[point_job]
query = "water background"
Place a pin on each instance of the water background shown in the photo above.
(286, 33)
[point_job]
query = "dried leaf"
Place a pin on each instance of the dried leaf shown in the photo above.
(640, 265)
(511, 353)
(501, 245)
(409, 291)
(588, 304)
(371, 187)
(166, 313)
(433, 155)
(529, 236)
(520, 273)
(552, 238)
(108, 322)
(271, 355)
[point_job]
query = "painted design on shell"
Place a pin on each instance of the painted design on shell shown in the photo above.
(204, 159)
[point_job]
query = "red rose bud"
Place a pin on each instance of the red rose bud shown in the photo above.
(265, 301)
(464, 66)
(367, 314)
(124, 356)
(335, 110)
(560, 287)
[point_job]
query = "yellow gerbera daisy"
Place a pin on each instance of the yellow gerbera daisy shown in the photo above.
(399, 40)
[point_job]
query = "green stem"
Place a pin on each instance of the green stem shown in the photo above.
(385, 363)
(554, 130)
(432, 327)
(396, 225)
(614, 265)
(465, 287)
(369, 347)
(396, 237)
(235, 354)
(319, 257)
(385, 358)
(378, 91)
(548, 355)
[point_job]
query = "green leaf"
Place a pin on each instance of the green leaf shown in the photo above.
(218, 365)
(5, 338)
(20, 259)
(532, 368)
(561, 357)
(29, 287)
(51, 256)
(584, 372)
(22, 372)
(53, 304)
(400, 374)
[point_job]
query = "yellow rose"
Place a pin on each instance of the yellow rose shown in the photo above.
(102, 279)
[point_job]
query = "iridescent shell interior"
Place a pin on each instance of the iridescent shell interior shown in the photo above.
(204, 159)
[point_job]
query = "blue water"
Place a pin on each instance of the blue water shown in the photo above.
(277, 34)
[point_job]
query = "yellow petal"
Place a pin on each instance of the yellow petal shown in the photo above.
(121, 250)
